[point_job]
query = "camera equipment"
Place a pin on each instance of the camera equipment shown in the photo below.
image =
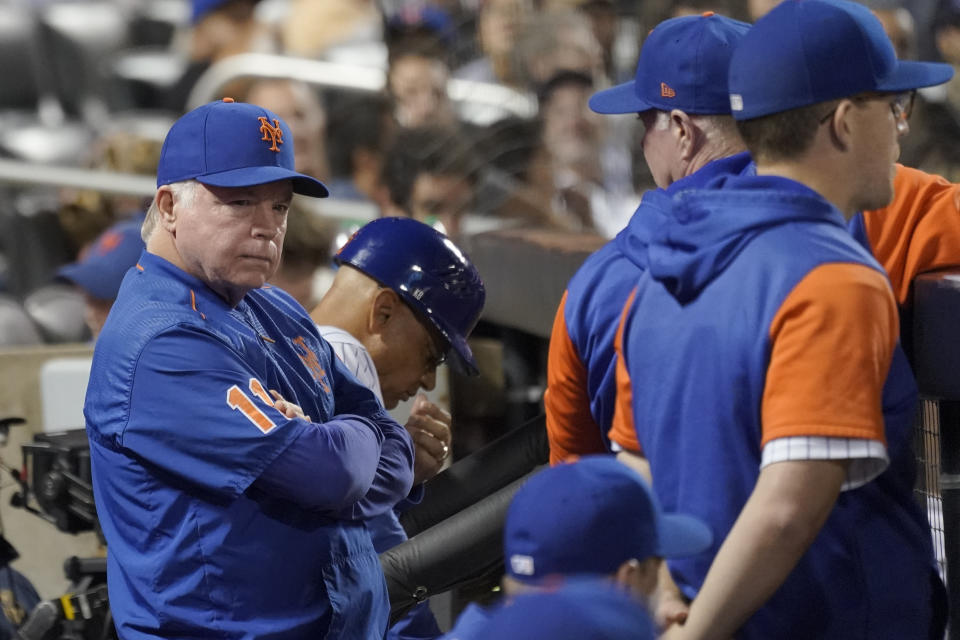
(56, 475)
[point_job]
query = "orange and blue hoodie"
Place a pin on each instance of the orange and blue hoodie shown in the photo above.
(581, 382)
(757, 316)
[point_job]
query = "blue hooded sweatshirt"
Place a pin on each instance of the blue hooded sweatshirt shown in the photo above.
(590, 312)
(720, 262)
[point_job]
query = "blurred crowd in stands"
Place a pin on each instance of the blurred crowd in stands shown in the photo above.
(476, 117)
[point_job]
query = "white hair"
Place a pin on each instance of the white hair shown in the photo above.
(185, 191)
(721, 132)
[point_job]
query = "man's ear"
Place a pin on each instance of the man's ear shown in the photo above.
(639, 575)
(841, 123)
(383, 310)
(167, 217)
(686, 132)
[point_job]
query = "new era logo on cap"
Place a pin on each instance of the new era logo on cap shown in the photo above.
(666, 91)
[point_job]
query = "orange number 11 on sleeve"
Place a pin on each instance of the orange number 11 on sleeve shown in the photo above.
(238, 400)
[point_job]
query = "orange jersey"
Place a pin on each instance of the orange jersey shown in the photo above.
(919, 231)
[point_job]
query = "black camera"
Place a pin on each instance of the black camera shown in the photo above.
(56, 474)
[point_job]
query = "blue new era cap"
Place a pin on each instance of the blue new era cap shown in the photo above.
(682, 65)
(104, 264)
(232, 144)
(581, 610)
(589, 517)
(808, 51)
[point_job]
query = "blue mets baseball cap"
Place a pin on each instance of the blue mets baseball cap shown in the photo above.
(589, 517)
(808, 51)
(232, 144)
(683, 65)
(580, 610)
(104, 264)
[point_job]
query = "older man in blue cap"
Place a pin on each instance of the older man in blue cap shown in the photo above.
(234, 459)
(680, 93)
(760, 341)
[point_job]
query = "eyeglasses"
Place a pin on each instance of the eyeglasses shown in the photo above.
(901, 105)
(434, 356)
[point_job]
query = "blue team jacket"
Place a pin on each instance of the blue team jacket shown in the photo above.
(720, 262)
(597, 292)
(180, 431)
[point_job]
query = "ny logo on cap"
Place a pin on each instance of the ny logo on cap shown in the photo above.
(666, 91)
(271, 133)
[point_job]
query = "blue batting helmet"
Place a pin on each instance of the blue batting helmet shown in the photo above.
(428, 271)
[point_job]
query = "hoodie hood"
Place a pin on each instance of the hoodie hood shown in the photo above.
(634, 239)
(694, 235)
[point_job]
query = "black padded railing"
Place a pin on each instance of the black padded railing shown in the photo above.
(936, 359)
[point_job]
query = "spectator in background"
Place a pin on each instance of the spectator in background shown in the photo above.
(417, 85)
(430, 176)
(934, 141)
(105, 228)
(130, 147)
(498, 25)
(557, 41)
(571, 168)
(899, 26)
(220, 28)
(603, 18)
(569, 147)
(298, 105)
(313, 27)
(101, 267)
(361, 128)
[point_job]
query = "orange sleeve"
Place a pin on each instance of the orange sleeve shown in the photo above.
(833, 341)
(623, 431)
(571, 429)
(919, 231)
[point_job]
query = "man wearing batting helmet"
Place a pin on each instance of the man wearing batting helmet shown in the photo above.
(403, 301)
(234, 458)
